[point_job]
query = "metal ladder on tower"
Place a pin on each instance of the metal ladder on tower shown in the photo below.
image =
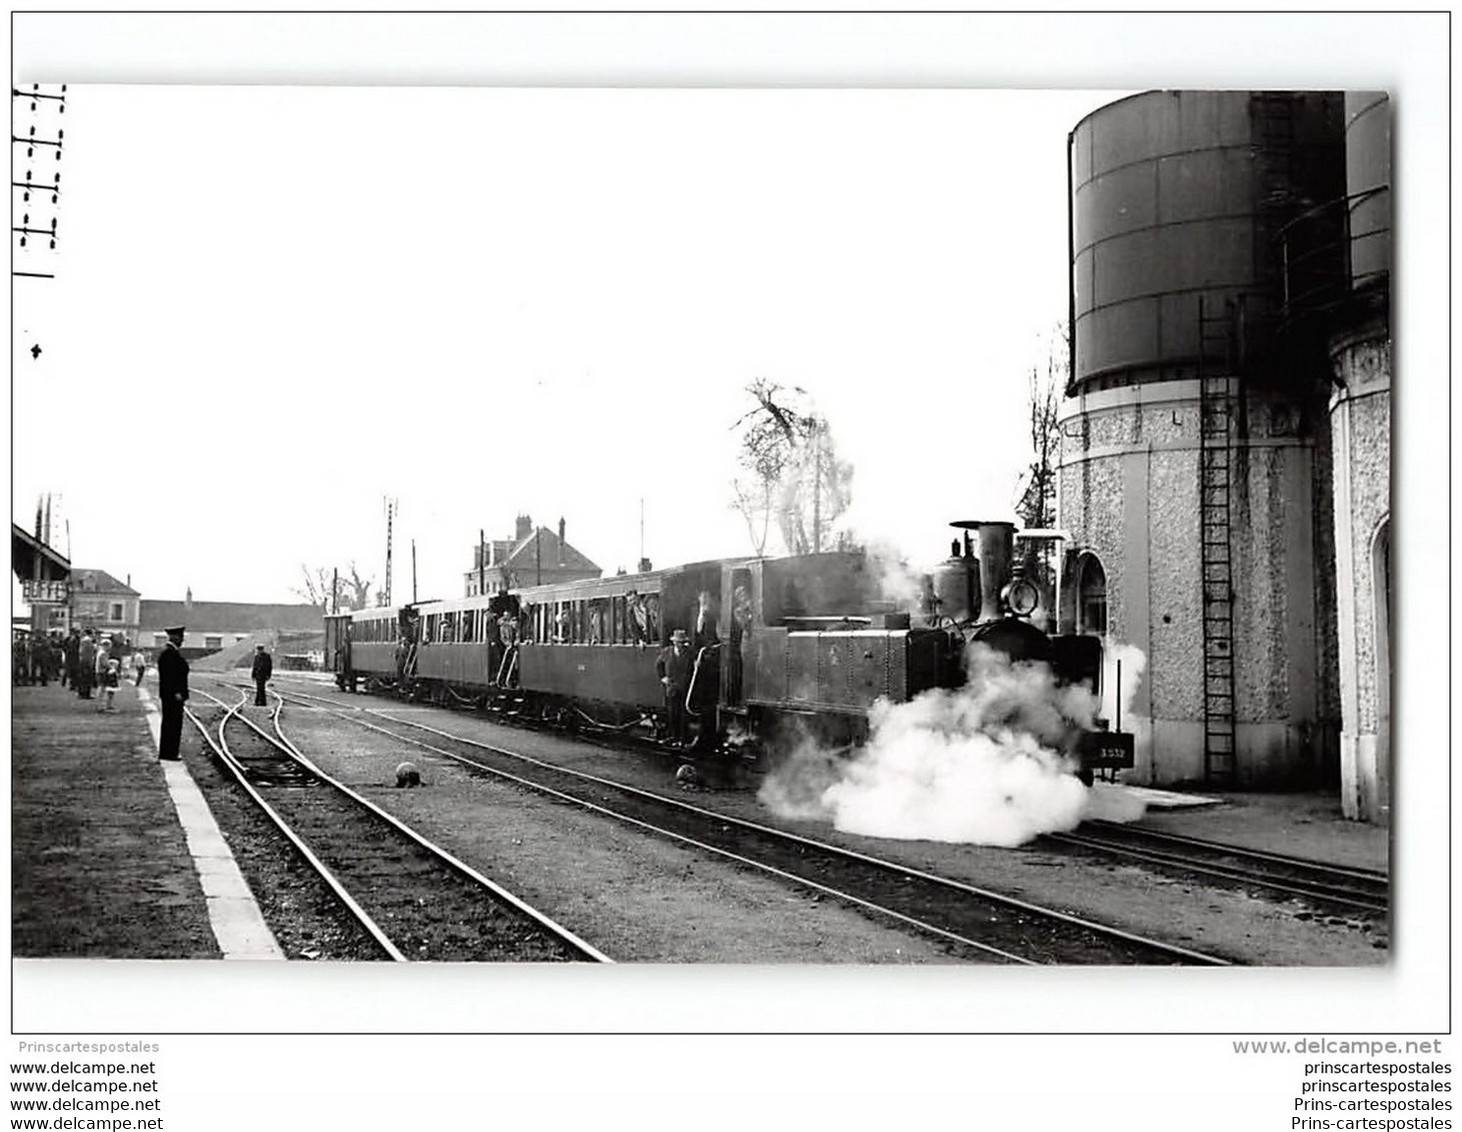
(1215, 452)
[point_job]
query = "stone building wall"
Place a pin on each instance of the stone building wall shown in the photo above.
(1360, 419)
(1128, 492)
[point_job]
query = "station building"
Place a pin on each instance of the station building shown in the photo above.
(44, 576)
(103, 604)
(1225, 457)
(533, 556)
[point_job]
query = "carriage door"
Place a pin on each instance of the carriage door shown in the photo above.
(734, 628)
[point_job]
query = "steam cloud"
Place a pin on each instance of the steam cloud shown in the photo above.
(898, 583)
(985, 764)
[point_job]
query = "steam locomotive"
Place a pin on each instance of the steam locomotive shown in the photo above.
(800, 645)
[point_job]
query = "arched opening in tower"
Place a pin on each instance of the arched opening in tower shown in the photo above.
(1091, 597)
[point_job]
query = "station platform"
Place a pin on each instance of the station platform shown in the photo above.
(1300, 824)
(113, 854)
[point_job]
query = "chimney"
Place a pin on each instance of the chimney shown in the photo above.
(525, 527)
(997, 543)
(560, 539)
(188, 598)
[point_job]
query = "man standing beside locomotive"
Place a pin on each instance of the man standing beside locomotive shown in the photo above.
(706, 675)
(263, 669)
(673, 666)
(172, 689)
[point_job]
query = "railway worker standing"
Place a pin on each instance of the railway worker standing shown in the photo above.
(673, 666)
(172, 689)
(262, 670)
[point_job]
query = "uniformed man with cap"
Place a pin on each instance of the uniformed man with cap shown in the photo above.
(172, 688)
(262, 669)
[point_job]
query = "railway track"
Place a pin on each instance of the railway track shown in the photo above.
(414, 899)
(1353, 889)
(975, 923)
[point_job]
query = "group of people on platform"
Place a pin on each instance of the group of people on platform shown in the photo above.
(91, 664)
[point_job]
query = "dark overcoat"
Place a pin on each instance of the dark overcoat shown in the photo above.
(172, 675)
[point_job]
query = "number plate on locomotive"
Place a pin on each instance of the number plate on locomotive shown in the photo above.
(1107, 750)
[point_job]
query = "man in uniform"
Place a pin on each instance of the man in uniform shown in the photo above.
(172, 689)
(262, 670)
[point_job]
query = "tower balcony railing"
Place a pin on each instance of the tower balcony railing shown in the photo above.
(1319, 251)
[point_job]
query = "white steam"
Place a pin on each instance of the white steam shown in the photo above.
(986, 764)
(898, 583)
(1122, 669)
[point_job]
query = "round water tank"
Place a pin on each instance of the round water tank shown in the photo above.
(1177, 202)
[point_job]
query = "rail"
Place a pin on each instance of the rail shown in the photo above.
(1316, 251)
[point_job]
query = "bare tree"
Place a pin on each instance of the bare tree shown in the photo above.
(792, 471)
(335, 590)
(316, 587)
(358, 589)
(1037, 504)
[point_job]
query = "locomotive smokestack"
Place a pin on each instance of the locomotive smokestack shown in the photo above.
(997, 550)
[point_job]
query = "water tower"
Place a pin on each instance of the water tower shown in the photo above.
(1195, 468)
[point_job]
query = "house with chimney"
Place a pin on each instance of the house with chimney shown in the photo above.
(533, 556)
(102, 605)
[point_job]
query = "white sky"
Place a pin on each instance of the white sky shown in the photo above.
(276, 305)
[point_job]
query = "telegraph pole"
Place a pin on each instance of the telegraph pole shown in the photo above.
(390, 510)
(413, 571)
(481, 561)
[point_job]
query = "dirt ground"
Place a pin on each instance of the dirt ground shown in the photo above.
(624, 897)
(636, 898)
